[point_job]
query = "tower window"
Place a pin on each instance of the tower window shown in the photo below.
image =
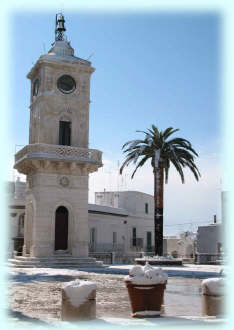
(65, 133)
(35, 87)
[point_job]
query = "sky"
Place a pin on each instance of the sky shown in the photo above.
(161, 68)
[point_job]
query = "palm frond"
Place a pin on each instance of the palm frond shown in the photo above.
(169, 131)
(140, 164)
(177, 151)
(132, 143)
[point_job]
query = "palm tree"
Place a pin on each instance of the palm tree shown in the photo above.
(162, 152)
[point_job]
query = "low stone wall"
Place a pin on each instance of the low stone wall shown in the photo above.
(109, 258)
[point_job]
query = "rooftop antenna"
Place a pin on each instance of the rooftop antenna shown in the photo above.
(18, 145)
(90, 56)
(125, 183)
(118, 177)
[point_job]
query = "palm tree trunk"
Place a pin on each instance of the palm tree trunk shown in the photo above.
(158, 210)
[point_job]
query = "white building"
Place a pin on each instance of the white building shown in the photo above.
(210, 241)
(183, 245)
(137, 229)
(120, 222)
(127, 228)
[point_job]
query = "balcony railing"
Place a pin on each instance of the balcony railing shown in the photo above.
(58, 152)
(105, 247)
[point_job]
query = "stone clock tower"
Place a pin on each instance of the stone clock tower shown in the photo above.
(57, 160)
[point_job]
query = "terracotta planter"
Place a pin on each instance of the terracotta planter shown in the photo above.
(146, 300)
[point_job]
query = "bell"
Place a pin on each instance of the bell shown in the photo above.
(60, 23)
(59, 27)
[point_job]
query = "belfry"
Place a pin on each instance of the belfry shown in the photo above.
(57, 160)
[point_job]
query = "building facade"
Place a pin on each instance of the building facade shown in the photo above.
(110, 229)
(127, 229)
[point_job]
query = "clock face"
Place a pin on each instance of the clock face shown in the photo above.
(35, 87)
(66, 84)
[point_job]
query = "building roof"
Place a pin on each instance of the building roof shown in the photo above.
(94, 208)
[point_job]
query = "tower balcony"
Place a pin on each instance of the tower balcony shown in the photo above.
(40, 155)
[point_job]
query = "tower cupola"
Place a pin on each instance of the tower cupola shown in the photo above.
(60, 46)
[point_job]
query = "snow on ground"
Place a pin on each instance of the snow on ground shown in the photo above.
(35, 294)
(194, 270)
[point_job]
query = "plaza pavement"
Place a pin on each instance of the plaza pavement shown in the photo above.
(186, 270)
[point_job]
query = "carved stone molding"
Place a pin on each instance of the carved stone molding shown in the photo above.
(29, 167)
(64, 181)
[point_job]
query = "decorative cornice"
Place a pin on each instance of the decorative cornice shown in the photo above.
(55, 61)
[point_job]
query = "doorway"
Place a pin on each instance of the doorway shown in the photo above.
(61, 228)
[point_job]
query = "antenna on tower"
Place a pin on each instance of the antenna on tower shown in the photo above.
(118, 176)
(126, 181)
(90, 56)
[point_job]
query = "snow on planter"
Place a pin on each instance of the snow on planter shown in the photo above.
(213, 286)
(79, 300)
(146, 285)
(213, 296)
(146, 275)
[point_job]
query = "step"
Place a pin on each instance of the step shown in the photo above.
(73, 261)
(54, 263)
(53, 257)
(57, 266)
(47, 262)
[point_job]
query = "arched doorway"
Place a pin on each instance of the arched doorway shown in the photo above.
(61, 228)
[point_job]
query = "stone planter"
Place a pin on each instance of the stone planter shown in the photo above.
(75, 309)
(212, 300)
(146, 300)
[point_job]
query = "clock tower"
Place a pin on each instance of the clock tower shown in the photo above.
(57, 161)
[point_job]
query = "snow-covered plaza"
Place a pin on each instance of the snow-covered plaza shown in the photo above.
(35, 295)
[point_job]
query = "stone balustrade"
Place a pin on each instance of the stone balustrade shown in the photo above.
(59, 152)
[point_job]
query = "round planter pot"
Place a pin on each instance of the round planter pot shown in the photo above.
(146, 300)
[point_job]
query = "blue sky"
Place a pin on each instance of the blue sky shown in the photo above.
(151, 68)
